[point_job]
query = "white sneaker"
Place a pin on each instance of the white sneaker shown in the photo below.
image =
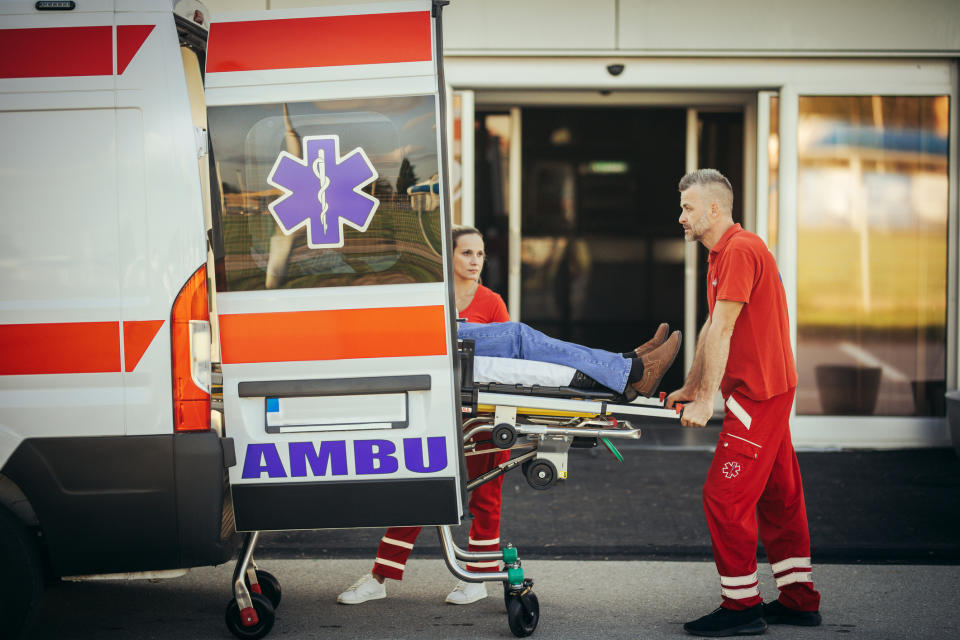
(467, 592)
(366, 588)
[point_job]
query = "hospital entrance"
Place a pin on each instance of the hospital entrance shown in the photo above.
(600, 258)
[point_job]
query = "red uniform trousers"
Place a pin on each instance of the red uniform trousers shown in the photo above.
(754, 486)
(397, 542)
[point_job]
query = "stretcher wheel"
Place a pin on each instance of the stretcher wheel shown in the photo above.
(503, 435)
(541, 474)
(265, 618)
(269, 586)
(523, 614)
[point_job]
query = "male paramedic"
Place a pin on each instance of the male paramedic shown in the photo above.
(753, 484)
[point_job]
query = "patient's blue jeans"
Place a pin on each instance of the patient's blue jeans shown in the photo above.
(517, 340)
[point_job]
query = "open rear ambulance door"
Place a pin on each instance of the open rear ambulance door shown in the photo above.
(336, 331)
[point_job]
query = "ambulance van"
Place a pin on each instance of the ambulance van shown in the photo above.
(184, 203)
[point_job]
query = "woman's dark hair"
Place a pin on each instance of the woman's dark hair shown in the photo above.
(463, 230)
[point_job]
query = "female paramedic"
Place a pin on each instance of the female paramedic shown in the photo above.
(477, 304)
(631, 373)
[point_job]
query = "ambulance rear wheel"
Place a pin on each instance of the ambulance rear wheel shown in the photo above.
(269, 586)
(265, 618)
(22, 585)
(523, 614)
(541, 474)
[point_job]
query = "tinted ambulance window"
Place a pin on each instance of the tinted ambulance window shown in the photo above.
(330, 193)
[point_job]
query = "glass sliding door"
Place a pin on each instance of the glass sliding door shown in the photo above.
(768, 167)
(872, 209)
(493, 137)
(460, 134)
(602, 256)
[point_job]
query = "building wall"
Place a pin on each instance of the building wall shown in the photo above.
(671, 27)
(668, 27)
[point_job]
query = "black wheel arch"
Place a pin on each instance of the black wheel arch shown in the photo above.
(126, 503)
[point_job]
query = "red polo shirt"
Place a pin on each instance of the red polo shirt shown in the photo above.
(742, 269)
(485, 307)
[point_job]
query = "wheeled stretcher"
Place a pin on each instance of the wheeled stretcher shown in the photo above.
(539, 422)
(544, 422)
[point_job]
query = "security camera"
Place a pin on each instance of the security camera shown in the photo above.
(614, 69)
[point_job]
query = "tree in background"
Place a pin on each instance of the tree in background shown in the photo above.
(407, 177)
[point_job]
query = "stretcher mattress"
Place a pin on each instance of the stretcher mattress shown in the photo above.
(487, 369)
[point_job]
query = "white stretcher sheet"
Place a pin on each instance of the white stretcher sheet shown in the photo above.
(523, 372)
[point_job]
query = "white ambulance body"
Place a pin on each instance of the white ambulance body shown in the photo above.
(340, 407)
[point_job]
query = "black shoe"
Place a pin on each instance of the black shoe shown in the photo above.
(727, 622)
(776, 613)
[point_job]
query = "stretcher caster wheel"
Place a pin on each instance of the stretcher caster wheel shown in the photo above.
(269, 586)
(541, 474)
(523, 614)
(503, 435)
(265, 617)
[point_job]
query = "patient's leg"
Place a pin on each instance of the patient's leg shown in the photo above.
(517, 340)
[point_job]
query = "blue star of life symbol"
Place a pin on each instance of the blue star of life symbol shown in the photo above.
(323, 191)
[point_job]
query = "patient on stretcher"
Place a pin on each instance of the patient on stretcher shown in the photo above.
(633, 373)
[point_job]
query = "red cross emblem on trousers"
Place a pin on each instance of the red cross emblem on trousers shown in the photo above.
(731, 469)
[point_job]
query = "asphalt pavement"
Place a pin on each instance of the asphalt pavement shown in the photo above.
(617, 599)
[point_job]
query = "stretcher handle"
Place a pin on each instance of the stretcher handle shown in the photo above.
(678, 407)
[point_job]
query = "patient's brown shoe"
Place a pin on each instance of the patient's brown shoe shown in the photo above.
(656, 363)
(658, 339)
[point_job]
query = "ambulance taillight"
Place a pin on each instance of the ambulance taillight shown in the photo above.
(190, 347)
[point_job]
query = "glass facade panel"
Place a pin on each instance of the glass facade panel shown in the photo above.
(387, 151)
(773, 184)
(456, 157)
(492, 199)
(872, 201)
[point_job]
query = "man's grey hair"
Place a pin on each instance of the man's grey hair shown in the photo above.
(707, 178)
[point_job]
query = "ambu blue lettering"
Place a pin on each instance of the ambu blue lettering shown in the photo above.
(374, 456)
(332, 454)
(436, 454)
(252, 467)
(371, 457)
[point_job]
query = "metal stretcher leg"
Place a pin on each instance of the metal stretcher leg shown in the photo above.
(523, 608)
(499, 470)
(251, 612)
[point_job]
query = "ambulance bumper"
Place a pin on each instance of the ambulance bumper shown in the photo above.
(129, 503)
